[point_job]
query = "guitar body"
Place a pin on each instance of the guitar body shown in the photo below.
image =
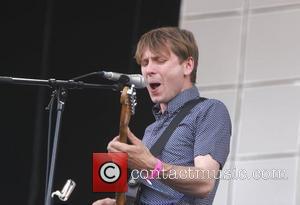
(133, 193)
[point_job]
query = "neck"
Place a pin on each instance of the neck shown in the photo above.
(163, 106)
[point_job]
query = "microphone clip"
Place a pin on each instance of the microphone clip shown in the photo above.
(124, 80)
(66, 191)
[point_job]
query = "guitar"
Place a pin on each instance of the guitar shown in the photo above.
(128, 102)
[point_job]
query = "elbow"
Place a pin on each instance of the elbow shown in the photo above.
(205, 188)
(204, 193)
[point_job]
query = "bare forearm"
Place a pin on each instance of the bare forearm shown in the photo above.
(188, 180)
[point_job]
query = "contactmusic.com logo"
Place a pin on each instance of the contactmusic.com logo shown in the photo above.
(110, 172)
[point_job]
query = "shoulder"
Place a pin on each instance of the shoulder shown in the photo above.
(211, 108)
(209, 105)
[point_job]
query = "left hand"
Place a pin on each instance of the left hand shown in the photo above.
(106, 201)
(139, 156)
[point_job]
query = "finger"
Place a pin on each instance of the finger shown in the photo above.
(133, 139)
(106, 201)
(111, 147)
(117, 138)
(119, 146)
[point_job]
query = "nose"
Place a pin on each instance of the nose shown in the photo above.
(149, 69)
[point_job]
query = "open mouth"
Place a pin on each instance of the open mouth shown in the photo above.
(154, 85)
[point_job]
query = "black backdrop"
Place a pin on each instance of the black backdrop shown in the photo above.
(62, 39)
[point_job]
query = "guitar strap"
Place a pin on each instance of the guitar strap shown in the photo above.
(156, 149)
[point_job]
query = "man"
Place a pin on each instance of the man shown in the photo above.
(199, 146)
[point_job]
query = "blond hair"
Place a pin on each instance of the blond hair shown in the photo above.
(181, 42)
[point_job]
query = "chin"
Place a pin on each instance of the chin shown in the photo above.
(155, 99)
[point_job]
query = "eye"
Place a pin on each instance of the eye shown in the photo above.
(144, 63)
(161, 60)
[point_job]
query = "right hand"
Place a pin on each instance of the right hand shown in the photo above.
(106, 201)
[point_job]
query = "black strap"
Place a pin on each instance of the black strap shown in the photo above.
(133, 194)
(157, 148)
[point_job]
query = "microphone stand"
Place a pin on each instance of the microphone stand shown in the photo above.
(60, 94)
(53, 83)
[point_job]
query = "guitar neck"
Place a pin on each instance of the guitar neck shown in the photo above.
(126, 111)
(120, 198)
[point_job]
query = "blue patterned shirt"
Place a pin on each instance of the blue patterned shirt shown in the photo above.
(205, 130)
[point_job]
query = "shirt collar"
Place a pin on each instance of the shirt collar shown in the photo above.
(177, 102)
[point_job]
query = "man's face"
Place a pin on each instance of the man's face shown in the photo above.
(165, 75)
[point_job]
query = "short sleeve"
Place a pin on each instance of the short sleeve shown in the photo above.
(213, 131)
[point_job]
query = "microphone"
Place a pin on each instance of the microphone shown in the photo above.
(135, 79)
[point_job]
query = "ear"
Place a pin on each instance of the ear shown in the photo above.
(188, 65)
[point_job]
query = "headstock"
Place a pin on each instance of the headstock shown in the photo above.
(131, 92)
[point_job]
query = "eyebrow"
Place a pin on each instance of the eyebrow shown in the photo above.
(156, 56)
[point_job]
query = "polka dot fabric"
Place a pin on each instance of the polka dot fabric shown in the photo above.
(205, 130)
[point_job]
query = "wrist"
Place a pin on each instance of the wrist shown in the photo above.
(156, 170)
(166, 169)
(151, 164)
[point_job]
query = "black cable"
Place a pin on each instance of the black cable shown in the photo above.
(85, 75)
